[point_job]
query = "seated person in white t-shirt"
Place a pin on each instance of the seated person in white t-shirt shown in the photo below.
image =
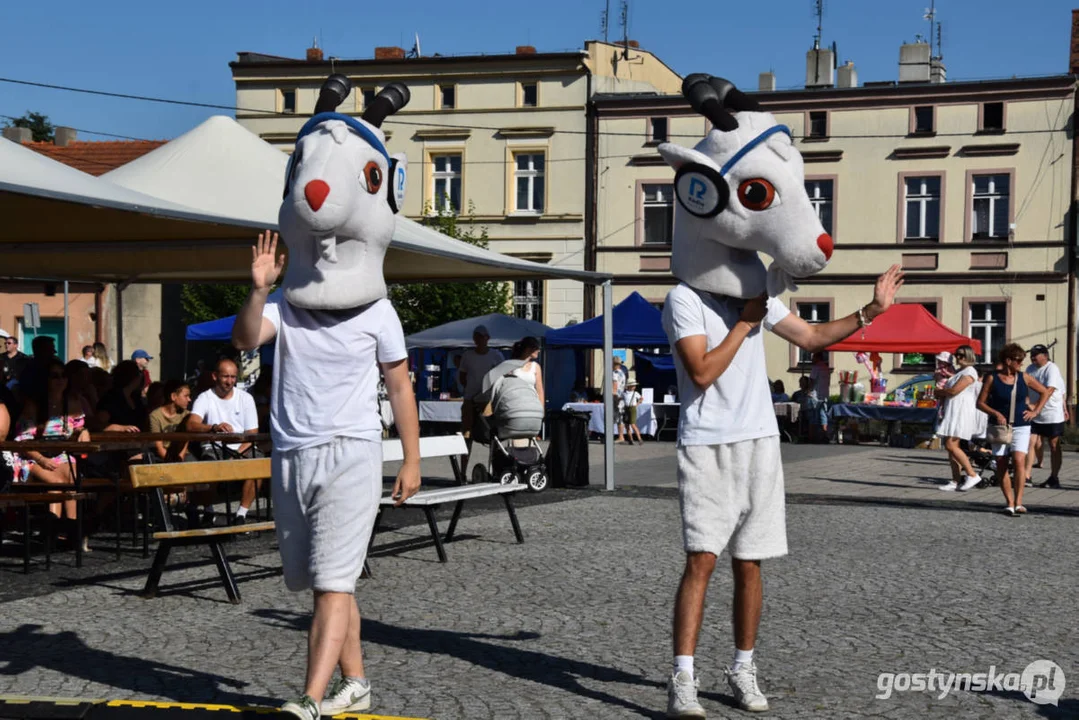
(225, 408)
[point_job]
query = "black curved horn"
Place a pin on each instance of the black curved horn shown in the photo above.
(333, 93)
(731, 97)
(389, 100)
(707, 99)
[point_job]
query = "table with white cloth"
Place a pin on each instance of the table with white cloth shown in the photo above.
(446, 411)
(646, 420)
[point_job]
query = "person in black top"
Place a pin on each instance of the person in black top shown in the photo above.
(122, 405)
(12, 362)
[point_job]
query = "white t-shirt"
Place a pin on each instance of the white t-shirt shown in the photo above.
(326, 373)
(738, 405)
(1049, 376)
(238, 411)
(476, 366)
(631, 398)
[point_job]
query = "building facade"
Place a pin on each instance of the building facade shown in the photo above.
(967, 185)
(502, 139)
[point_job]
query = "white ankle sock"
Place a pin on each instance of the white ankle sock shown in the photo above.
(242, 512)
(683, 663)
(741, 657)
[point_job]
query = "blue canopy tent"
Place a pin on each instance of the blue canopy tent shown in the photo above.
(637, 324)
(220, 330)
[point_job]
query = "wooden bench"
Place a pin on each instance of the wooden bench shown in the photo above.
(157, 478)
(23, 500)
(428, 500)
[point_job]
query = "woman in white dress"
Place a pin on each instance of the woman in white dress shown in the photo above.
(527, 349)
(960, 418)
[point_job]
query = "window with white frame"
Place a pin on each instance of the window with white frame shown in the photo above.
(989, 325)
(990, 207)
(528, 299)
(528, 181)
(923, 208)
(658, 213)
(820, 197)
(446, 183)
(812, 312)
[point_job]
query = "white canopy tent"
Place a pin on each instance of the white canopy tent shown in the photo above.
(210, 191)
(504, 329)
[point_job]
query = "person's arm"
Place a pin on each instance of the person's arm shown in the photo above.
(983, 404)
(251, 329)
(818, 336)
(1044, 392)
(406, 418)
(706, 366)
(961, 384)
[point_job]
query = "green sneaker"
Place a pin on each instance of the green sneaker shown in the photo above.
(347, 695)
(303, 707)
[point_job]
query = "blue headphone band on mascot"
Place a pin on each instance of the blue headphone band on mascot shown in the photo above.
(703, 191)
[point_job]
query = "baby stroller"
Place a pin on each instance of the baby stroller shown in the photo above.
(510, 430)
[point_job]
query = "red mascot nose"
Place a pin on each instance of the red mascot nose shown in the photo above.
(316, 192)
(824, 242)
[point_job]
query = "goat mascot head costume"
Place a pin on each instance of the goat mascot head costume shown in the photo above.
(741, 191)
(342, 190)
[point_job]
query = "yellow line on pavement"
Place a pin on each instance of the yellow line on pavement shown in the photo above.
(164, 705)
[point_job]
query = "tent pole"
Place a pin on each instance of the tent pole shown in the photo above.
(67, 342)
(608, 388)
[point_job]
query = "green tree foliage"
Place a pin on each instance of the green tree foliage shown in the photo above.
(40, 127)
(424, 305)
(202, 303)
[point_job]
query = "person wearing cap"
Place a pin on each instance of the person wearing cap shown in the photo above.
(1048, 426)
(475, 363)
(631, 398)
(142, 359)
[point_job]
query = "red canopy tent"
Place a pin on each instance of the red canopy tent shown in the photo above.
(906, 328)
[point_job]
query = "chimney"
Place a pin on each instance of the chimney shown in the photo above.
(914, 62)
(64, 136)
(937, 71)
(389, 53)
(314, 54)
(633, 44)
(18, 134)
(820, 63)
(1073, 60)
(526, 50)
(766, 82)
(847, 76)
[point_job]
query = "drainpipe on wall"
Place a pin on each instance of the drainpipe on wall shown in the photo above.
(591, 170)
(1073, 247)
(99, 316)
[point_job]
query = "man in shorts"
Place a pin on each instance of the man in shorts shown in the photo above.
(1048, 426)
(475, 364)
(730, 473)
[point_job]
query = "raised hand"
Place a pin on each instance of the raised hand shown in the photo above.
(754, 310)
(884, 293)
(266, 267)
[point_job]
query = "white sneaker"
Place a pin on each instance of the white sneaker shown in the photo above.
(970, 483)
(682, 696)
(746, 692)
(303, 707)
(950, 487)
(347, 695)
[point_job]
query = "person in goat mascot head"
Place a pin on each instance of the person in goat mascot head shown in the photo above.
(740, 192)
(335, 330)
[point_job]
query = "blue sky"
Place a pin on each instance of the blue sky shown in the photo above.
(182, 50)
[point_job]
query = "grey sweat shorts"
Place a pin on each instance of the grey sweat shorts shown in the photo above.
(325, 501)
(732, 495)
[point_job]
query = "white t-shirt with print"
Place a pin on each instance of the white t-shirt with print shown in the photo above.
(738, 405)
(1049, 375)
(476, 366)
(238, 410)
(326, 373)
(631, 398)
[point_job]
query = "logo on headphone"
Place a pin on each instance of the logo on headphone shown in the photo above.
(698, 193)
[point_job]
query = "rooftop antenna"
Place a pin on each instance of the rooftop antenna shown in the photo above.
(416, 52)
(605, 20)
(625, 29)
(934, 27)
(818, 9)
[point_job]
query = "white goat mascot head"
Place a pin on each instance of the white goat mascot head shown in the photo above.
(342, 190)
(741, 190)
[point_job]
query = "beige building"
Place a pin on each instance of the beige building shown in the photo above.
(968, 185)
(503, 138)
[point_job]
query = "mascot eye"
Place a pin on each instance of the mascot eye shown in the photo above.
(756, 194)
(373, 175)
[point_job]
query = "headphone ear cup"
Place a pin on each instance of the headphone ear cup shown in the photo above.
(395, 194)
(701, 190)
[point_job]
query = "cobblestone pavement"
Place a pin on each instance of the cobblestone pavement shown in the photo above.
(575, 622)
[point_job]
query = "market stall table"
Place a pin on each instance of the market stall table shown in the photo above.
(443, 411)
(891, 414)
(646, 417)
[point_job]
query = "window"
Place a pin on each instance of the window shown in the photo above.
(812, 312)
(446, 183)
(368, 97)
(658, 213)
(820, 197)
(993, 117)
(818, 124)
(448, 96)
(990, 208)
(658, 130)
(923, 208)
(529, 95)
(921, 361)
(288, 101)
(528, 299)
(923, 119)
(528, 179)
(989, 324)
